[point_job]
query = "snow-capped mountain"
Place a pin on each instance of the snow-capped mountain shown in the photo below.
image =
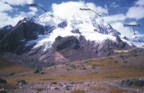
(49, 39)
(91, 28)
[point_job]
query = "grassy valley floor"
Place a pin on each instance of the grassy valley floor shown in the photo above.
(88, 76)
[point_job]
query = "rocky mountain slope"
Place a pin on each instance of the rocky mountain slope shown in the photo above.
(48, 40)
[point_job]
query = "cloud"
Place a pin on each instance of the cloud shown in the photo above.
(68, 9)
(32, 11)
(136, 11)
(140, 2)
(114, 5)
(18, 2)
(5, 7)
(125, 31)
(6, 20)
(115, 18)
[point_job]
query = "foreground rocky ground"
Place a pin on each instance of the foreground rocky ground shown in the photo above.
(77, 87)
(116, 74)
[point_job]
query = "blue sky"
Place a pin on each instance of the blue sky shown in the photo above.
(117, 12)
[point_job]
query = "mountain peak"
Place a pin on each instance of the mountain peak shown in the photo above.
(50, 38)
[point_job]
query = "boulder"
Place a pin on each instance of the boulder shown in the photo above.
(132, 82)
(21, 82)
(3, 81)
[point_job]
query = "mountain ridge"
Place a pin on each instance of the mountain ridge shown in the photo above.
(55, 40)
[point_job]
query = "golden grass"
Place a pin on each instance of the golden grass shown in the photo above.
(109, 70)
(102, 62)
(13, 86)
(116, 90)
(96, 88)
(116, 72)
(7, 67)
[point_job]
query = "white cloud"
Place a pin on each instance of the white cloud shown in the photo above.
(18, 2)
(5, 7)
(6, 20)
(114, 5)
(136, 11)
(140, 2)
(33, 11)
(69, 9)
(115, 18)
(125, 31)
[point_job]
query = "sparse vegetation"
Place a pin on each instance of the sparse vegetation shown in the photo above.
(54, 83)
(125, 61)
(10, 68)
(94, 70)
(39, 89)
(122, 57)
(116, 90)
(3, 81)
(135, 54)
(78, 91)
(47, 79)
(13, 86)
(21, 82)
(115, 61)
(113, 77)
(37, 71)
(42, 72)
(73, 66)
(100, 63)
(96, 88)
(109, 70)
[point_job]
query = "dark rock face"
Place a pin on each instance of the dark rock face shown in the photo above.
(76, 31)
(107, 30)
(132, 82)
(37, 71)
(62, 24)
(16, 38)
(5, 30)
(66, 42)
(49, 29)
